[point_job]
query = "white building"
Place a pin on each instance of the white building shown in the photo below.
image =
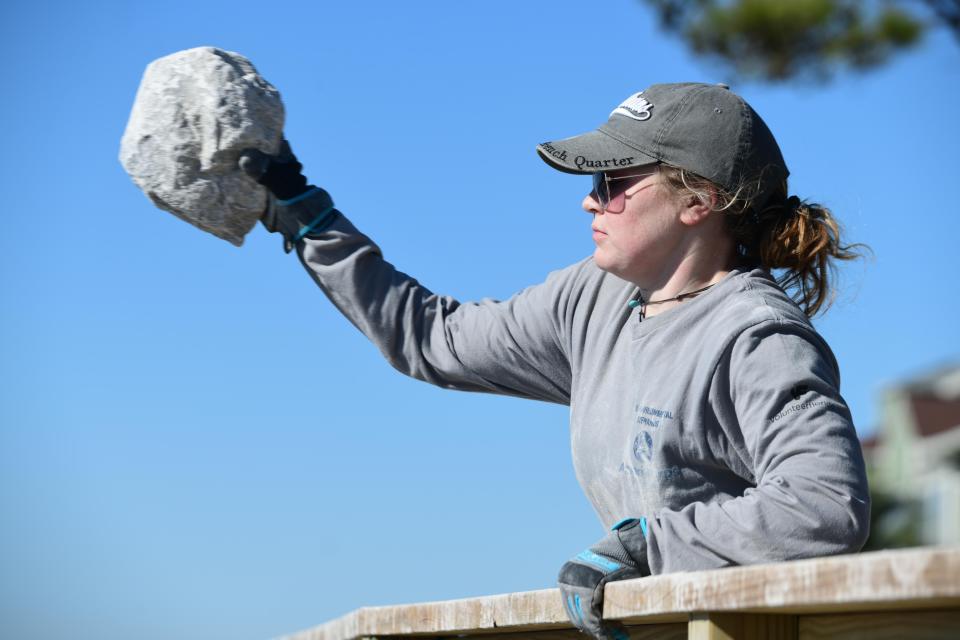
(915, 452)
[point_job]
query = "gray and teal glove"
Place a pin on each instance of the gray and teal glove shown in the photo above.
(295, 208)
(621, 555)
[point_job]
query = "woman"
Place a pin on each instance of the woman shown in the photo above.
(706, 422)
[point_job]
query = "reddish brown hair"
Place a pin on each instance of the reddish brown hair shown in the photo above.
(801, 239)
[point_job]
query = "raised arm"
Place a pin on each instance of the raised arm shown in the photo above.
(515, 347)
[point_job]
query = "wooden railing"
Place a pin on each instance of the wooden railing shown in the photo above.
(908, 593)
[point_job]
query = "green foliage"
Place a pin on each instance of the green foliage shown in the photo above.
(777, 40)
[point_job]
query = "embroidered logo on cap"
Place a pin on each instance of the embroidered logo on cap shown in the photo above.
(636, 107)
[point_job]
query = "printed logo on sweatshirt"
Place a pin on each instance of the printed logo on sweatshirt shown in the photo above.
(651, 416)
(798, 407)
(643, 446)
(662, 475)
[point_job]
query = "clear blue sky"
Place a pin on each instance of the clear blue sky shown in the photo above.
(194, 444)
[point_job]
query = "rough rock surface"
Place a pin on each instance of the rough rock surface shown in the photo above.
(194, 112)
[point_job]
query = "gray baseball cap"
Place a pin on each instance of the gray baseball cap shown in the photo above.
(703, 128)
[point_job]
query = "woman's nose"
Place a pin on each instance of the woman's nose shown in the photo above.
(590, 204)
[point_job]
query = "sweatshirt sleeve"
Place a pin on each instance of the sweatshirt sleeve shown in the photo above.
(514, 347)
(775, 395)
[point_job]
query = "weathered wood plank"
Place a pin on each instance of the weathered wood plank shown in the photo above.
(638, 632)
(524, 611)
(922, 578)
(742, 626)
(916, 625)
(926, 577)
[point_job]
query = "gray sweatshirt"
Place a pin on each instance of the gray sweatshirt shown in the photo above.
(719, 421)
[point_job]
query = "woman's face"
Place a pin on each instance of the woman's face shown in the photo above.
(641, 242)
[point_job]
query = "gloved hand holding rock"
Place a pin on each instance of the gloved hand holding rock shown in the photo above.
(295, 208)
(195, 111)
(621, 555)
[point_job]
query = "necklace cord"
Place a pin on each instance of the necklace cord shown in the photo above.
(638, 300)
(681, 296)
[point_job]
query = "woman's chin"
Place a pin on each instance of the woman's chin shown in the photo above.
(604, 263)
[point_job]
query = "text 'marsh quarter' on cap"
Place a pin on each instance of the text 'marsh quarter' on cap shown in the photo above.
(703, 128)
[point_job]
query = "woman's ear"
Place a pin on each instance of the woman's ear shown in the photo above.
(696, 208)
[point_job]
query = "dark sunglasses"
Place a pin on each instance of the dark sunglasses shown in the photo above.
(611, 197)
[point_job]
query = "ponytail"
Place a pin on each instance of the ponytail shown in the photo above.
(801, 239)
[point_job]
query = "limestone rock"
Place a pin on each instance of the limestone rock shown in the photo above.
(195, 111)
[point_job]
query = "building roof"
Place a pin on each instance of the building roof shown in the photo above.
(933, 414)
(934, 399)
